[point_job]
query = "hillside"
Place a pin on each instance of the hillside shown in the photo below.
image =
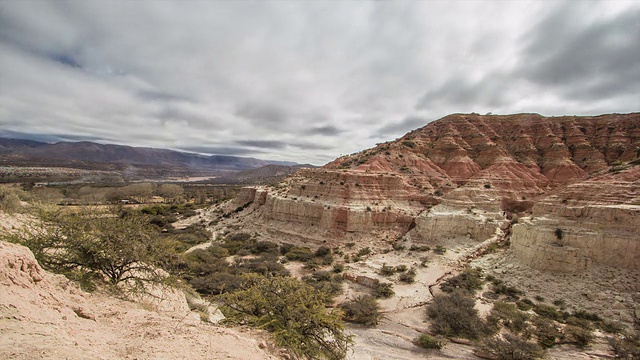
(45, 316)
(458, 177)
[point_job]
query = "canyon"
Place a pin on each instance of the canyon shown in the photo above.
(466, 175)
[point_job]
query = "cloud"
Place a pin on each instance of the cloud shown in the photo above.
(266, 144)
(326, 130)
(220, 150)
(585, 59)
(261, 114)
(401, 127)
(304, 81)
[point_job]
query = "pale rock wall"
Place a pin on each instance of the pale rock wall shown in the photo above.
(352, 218)
(443, 222)
(608, 237)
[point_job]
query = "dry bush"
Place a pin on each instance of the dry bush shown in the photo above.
(511, 347)
(364, 309)
(454, 315)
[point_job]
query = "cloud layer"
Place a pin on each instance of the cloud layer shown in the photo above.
(303, 81)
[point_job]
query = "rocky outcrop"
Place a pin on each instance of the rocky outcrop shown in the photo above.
(45, 316)
(594, 222)
(442, 223)
(480, 169)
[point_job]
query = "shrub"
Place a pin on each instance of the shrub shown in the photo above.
(299, 254)
(364, 309)
(364, 251)
(559, 233)
(294, 312)
(511, 347)
(546, 332)
(509, 316)
(626, 346)
(409, 143)
(525, 304)
(322, 251)
(122, 249)
(577, 335)
(409, 276)
(383, 291)
(510, 292)
(440, 250)
(547, 311)
(468, 281)
(261, 247)
(454, 315)
(429, 342)
(386, 270)
(338, 268)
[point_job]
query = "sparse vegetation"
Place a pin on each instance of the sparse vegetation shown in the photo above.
(429, 342)
(440, 250)
(626, 345)
(468, 281)
(408, 277)
(294, 312)
(511, 347)
(363, 309)
(383, 290)
(120, 248)
(454, 314)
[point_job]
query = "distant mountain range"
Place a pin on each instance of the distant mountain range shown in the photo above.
(117, 157)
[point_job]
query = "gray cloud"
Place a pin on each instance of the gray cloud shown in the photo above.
(303, 81)
(585, 59)
(262, 114)
(400, 127)
(326, 130)
(220, 150)
(266, 144)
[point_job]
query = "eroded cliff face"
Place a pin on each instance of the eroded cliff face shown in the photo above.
(593, 222)
(481, 170)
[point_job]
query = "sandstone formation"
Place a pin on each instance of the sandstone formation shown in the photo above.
(465, 175)
(45, 316)
(596, 221)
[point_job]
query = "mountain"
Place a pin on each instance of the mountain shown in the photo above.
(9, 145)
(268, 174)
(89, 154)
(463, 176)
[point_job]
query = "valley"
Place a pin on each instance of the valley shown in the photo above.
(544, 211)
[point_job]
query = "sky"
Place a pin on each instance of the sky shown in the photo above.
(303, 81)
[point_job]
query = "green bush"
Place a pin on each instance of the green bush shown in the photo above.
(454, 314)
(364, 309)
(293, 311)
(511, 292)
(525, 304)
(440, 250)
(429, 342)
(626, 346)
(408, 277)
(577, 335)
(364, 252)
(469, 281)
(383, 291)
(507, 315)
(120, 248)
(547, 311)
(546, 332)
(511, 347)
(299, 254)
(386, 270)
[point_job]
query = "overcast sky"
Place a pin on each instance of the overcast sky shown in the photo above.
(300, 80)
